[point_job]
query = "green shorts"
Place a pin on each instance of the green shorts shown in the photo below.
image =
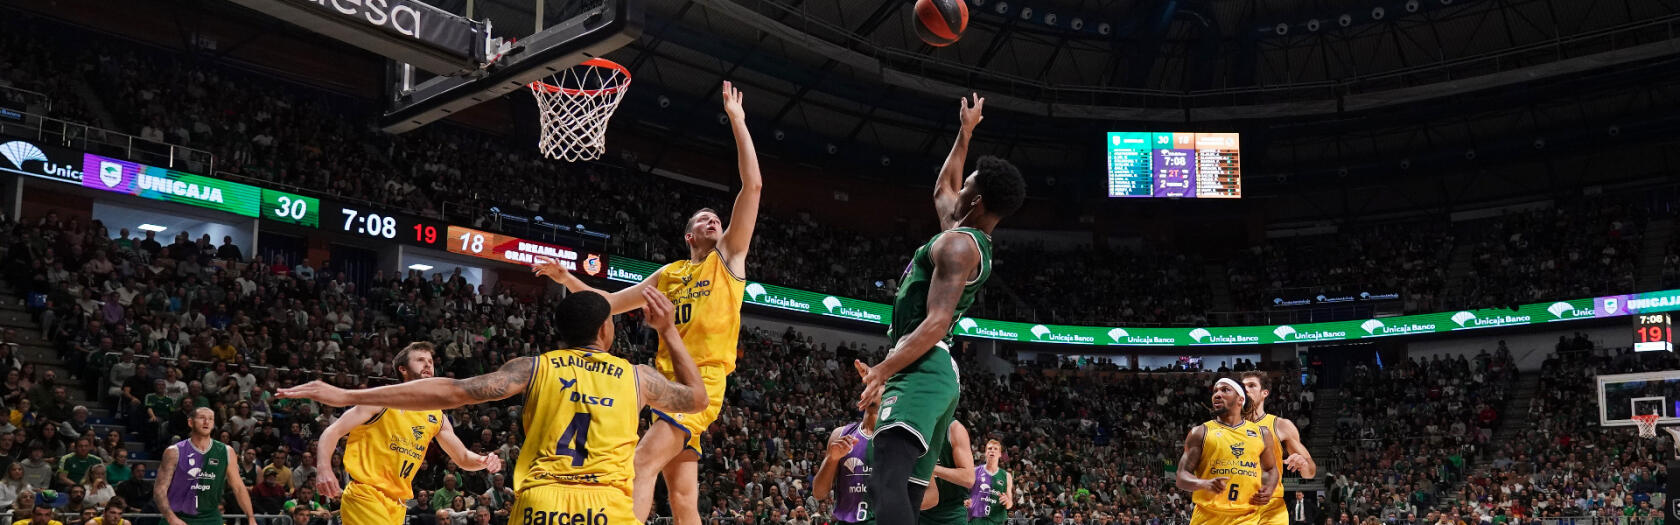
(995, 519)
(922, 398)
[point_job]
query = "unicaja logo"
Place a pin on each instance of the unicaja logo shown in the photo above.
(1559, 309)
(1463, 317)
(19, 154)
(754, 290)
(1283, 332)
(1199, 334)
(831, 302)
(1040, 331)
(1118, 333)
(967, 324)
(1371, 326)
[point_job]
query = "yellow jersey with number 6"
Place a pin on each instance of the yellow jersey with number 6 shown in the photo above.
(1234, 453)
(707, 298)
(385, 452)
(580, 417)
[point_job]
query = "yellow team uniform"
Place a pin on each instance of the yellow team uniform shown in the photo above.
(381, 457)
(1230, 452)
(578, 460)
(707, 298)
(1274, 513)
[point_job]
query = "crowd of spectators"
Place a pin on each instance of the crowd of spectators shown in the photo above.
(1580, 248)
(1407, 258)
(37, 79)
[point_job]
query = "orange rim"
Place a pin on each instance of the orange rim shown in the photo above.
(593, 62)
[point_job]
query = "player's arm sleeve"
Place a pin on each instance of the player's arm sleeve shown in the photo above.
(1290, 436)
(1191, 460)
(240, 494)
(822, 485)
(166, 475)
(954, 258)
(439, 393)
(963, 474)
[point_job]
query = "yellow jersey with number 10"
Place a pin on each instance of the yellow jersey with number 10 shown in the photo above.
(707, 298)
(385, 452)
(580, 417)
(1230, 452)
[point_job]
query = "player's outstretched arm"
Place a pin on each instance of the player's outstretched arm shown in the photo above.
(241, 495)
(621, 301)
(951, 174)
(1191, 460)
(954, 259)
(433, 393)
(963, 474)
(822, 485)
(160, 486)
(1296, 456)
(326, 482)
(468, 460)
(743, 217)
(1270, 474)
(687, 394)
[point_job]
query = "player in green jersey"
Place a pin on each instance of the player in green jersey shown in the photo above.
(916, 385)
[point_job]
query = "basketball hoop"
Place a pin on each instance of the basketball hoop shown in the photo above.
(575, 105)
(1647, 424)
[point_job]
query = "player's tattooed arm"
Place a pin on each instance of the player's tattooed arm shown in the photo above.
(668, 396)
(433, 393)
(160, 487)
(509, 380)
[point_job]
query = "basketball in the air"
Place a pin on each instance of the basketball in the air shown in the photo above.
(941, 22)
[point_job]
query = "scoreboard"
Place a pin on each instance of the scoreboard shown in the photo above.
(1652, 333)
(1174, 165)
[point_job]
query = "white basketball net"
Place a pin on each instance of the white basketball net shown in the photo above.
(1647, 425)
(575, 105)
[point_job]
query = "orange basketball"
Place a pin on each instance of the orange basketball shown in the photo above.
(941, 22)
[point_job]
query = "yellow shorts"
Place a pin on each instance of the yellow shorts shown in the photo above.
(1274, 513)
(1202, 516)
(364, 505)
(716, 380)
(571, 505)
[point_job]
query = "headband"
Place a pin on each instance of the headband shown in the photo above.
(1235, 385)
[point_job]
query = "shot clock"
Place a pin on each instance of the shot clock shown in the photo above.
(1653, 333)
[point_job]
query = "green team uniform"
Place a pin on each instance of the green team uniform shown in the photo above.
(195, 491)
(922, 398)
(950, 509)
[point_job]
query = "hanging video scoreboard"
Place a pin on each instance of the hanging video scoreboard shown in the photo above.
(1174, 165)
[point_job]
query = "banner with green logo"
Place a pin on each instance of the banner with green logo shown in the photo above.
(625, 269)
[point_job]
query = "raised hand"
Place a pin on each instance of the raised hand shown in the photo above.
(658, 309)
(840, 446)
(732, 102)
(551, 268)
(969, 111)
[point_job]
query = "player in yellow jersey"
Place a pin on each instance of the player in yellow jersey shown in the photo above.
(1294, 454)
(707, 289)
(386, 447)
(1230, 464)
(582, 407)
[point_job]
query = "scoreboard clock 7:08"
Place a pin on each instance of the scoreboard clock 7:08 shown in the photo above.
(363, 221)
(1653, 333)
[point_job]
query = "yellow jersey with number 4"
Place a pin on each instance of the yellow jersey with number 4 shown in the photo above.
(707, 298)
(1234, 453)
(580, 417)
(385, 452)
